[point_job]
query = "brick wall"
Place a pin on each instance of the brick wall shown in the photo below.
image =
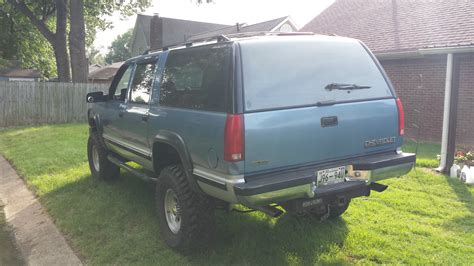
(420, 84)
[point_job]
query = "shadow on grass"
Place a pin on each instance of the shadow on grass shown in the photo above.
(116, 223)
(462, 192)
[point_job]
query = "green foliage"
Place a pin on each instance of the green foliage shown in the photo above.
(120, 48)
(20, 40)
(422, 218)
(95, 57)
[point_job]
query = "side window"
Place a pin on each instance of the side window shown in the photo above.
(197, 78)
(120, 90)
(142, 82)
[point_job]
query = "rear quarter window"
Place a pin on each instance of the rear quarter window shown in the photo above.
(197, 78)
(295, 71)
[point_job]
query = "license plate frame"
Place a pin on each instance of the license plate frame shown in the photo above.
(330, 176)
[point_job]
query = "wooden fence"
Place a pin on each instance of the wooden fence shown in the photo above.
(30, 103)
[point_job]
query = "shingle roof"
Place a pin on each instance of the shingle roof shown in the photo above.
(20, 73)
(106, 72)
(261, 26)
(388, 26)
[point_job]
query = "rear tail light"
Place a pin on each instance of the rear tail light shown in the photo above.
(401, 117)
(234, 138)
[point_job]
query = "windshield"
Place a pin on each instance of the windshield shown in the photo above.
(304, 71)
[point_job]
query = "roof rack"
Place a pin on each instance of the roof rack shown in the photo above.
(227, 38)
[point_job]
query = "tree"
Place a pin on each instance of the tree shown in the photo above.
(77, 42)
(120, 48)
(38, 13)
(81, 12)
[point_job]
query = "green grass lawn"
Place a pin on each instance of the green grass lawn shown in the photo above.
(426, 154)
(422, 218)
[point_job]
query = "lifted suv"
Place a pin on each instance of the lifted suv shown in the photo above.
(301, 122)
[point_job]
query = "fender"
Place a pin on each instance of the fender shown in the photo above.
(177, 142)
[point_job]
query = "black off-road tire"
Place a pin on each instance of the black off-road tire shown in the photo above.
(106, 171)
(195, 210)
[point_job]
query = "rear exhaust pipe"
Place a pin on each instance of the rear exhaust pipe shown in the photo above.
(269, 210)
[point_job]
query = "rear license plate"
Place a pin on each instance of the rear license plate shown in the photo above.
(330, 176)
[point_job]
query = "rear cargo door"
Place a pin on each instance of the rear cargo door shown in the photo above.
(314, 99)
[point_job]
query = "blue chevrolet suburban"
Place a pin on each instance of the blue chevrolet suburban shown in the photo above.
(272, 121)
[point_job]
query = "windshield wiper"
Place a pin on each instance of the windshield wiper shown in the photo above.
(342, 86)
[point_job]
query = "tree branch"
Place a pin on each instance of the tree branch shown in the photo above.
(20, 5)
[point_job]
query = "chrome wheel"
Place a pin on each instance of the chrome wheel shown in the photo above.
(95, 158)
(173, 218)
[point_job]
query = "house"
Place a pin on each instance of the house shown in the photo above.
(154, 32)
(283, 24)
(94, 67)
(421, 45)
(20, 74)
(104, 74)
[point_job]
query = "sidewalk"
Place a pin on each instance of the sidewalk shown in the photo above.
(38, 239)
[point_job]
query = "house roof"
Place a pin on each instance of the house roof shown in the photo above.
(174, 30)
(20, 73)
(106, 72)
(268, 25)
(393, 26)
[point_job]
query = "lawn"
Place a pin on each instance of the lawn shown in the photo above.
(422, 218)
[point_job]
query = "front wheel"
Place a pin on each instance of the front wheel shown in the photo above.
(186, 218)
(101, 168)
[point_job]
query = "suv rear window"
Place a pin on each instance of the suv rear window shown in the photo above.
(197, 78)
(297, 71)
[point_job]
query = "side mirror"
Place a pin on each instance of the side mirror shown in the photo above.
(94, 97)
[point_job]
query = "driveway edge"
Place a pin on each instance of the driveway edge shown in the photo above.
(38, 239)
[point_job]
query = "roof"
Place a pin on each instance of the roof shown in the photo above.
(174, 30)
(20, 73)
(106, 72)
(391, 26)
(269, 25)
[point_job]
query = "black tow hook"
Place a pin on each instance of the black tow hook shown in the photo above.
(377, 187)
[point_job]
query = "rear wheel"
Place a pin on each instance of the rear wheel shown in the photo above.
(101, 168)
(186, 218)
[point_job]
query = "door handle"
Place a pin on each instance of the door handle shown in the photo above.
(145, 118)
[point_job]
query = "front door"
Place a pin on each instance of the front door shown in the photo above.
(135, 116)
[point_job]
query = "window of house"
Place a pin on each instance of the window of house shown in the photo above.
(142, 83)
(197, 78)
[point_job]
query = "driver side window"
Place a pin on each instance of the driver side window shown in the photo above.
(122, 86)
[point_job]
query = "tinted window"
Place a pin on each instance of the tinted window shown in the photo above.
(119, 91)
(142, 83)
(197, 78)
(296, 71)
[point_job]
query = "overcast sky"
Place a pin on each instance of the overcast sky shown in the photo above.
(220, 11)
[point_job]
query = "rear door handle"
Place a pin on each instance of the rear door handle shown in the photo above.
(329, 121)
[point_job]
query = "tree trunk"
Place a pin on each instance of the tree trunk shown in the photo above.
(60, 42)
(77, 42)
(58, 39)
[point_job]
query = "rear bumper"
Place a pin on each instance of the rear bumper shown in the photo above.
(296, 183)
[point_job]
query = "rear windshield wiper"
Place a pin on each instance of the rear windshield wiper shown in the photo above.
(342, 86)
